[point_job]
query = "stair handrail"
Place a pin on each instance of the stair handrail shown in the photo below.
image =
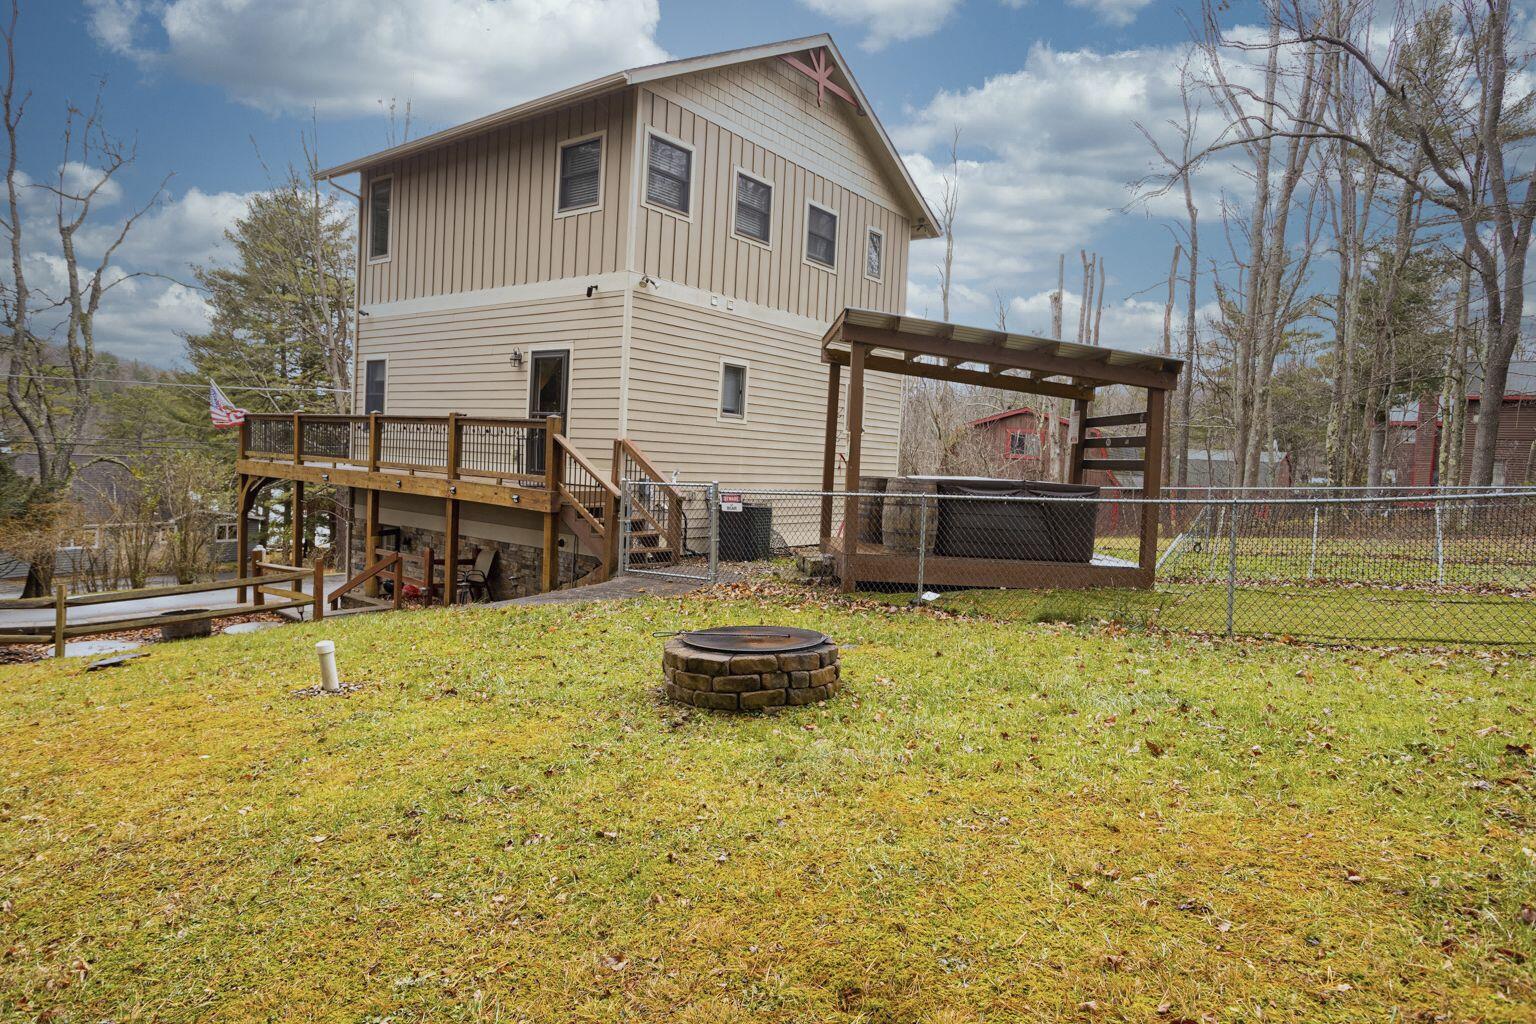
(390, 560)
(672, 528)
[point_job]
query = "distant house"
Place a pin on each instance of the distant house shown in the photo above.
(1021, 439)
(1417, 433)
(1216, 468)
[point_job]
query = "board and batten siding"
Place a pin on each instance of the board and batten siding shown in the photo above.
(459, 360)
(674, 393)
(701, 251)
(480, 213)
(771, 102)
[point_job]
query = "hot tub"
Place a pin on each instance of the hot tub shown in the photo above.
(970, 526)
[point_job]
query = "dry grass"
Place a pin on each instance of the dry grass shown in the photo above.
(995, 822)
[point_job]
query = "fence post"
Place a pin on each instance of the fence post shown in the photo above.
(1231, 562)
(1312, 560)
(624, 512)
(60, 615)
(922, 544)
(714, 530)
(319, 570)
(1439, 545)
(258, 553)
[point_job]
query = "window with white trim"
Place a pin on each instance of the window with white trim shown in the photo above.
(874, 254)
(379, 203)
(668, 174)
(733, 390)
(821, 235)
(581, 174)
(754, 207)
(225, 533)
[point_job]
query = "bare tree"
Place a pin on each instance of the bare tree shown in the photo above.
(949, 209)
(49, 386)
(1463, 109)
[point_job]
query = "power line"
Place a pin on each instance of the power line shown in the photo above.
(175, 384)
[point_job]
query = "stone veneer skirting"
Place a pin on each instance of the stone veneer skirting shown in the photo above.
(514, 573)
(748, 682)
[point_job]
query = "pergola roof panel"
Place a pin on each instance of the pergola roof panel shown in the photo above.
(1087, 365)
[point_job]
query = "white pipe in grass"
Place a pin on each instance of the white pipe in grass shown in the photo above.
(329, 681)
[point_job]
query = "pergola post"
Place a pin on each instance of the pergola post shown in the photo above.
(829, 454)
(1078, 440)
(1152, 480)
(857, 355)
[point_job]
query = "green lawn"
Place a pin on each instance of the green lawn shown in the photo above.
(1373, 615)
(994, 822)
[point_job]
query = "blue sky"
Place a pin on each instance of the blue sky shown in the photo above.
(1044, 92)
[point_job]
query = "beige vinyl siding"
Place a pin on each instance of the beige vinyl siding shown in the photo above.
(459, 360)
(702, 252)
(674, 394)
(774, 104)
(480, 213)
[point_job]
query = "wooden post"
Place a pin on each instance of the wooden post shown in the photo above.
(1079, 440)
(319, 571)
(452, 467)
(298, 447)
(428, 564)
(399, 579)
(371, 538)
(1152, 481)
(244, 434)
(451, 555)
(60, 615)
(296, 520)
(851, 473)
(242, 521)
(258, 553)
(829, 453)
(375, 442)
(551, 567)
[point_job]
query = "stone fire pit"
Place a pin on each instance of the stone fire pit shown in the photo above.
(758, 667)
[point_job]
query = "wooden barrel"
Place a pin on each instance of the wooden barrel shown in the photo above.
(902, 516)
(871, 510)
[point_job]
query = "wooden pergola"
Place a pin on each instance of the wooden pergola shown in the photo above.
(869, 341)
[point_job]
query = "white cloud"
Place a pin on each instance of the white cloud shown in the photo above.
(141, 317)
(1048, 153)
(1118, 13)
(451, 58)
(887, 21)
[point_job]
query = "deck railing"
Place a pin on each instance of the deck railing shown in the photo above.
(500, 450)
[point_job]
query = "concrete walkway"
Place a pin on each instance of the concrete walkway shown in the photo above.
(34, 617)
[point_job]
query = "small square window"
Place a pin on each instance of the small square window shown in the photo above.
(669, 171)
(821, 236)
(754, 207)
(581, 174)
(224, 533)
(733, 390)
(379, 196)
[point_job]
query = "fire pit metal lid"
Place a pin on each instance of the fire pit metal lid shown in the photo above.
(753, 639)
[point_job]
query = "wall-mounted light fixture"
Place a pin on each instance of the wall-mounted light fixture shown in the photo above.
(516, 358)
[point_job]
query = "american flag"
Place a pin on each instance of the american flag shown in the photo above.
(222, 410)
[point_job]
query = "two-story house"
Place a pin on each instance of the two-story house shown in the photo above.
(654, 256)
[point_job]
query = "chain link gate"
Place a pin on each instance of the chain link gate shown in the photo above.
(669, 530)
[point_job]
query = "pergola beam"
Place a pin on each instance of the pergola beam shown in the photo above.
(1099, 373)
(979, 378)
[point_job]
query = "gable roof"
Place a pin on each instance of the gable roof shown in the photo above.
(924, 223)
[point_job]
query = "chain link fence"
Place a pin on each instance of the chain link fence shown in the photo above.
(1415, 568)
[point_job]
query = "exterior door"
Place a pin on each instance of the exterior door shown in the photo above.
(549, 388)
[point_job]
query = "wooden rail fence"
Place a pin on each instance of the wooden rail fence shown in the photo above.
(266, 580)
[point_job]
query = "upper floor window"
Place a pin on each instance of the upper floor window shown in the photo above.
(375, 374)
(821, 235)
(668, 174)
(874, 255)
(754, 207)
(378, 218)
(581, 174)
